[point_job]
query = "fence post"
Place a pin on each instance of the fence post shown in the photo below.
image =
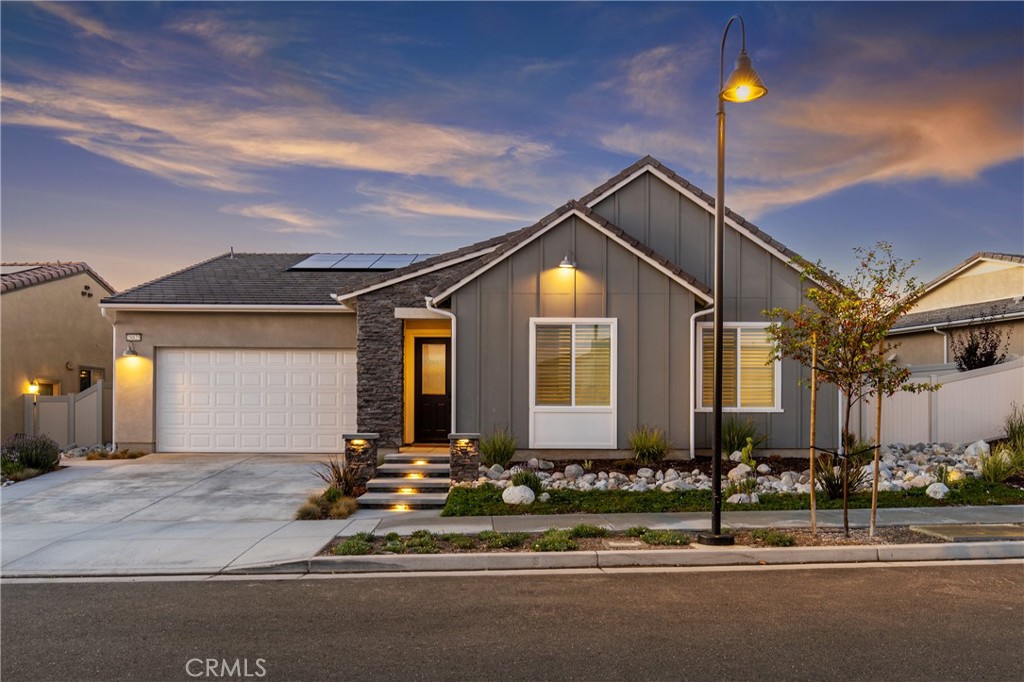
(933, 411)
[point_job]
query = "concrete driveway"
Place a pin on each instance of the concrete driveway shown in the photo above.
(164, 513)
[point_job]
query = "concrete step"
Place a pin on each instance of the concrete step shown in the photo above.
(396, 482)
(407, 458)
(392, 500)
(435, 470)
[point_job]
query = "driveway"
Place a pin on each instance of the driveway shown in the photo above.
(163, 513)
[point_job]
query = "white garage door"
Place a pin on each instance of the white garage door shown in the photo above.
(234, 400)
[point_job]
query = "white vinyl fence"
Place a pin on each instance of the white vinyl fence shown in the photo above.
(969, 406)
(72, 418)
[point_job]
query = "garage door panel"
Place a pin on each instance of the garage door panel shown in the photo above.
(228, 400)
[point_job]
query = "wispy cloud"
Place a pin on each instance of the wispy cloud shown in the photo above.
(292, 220)
(398, 204)
(223, 136)
(71, 14)
(233, 38)
(866, 123)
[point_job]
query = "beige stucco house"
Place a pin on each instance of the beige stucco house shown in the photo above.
(53, 334)
(985, 289)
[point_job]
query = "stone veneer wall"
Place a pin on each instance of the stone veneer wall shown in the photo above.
(380, 342)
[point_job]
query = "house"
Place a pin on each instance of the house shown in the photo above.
(985, 289)
(570, 332)
(54, 338)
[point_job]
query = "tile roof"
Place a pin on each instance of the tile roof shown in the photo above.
(961, 314)
(243, 279)
(37, 273)
(991, 255)
(516, 238)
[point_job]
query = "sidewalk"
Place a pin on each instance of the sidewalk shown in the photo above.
(204, 548)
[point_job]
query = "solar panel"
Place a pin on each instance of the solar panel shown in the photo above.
(360, 261)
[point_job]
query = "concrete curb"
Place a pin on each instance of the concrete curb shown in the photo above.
(737, 556)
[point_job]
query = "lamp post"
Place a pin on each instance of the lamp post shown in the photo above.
(744, 85)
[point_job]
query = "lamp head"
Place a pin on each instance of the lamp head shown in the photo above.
(33, 388)
(130, 352)
(744, 85)
(568, 263)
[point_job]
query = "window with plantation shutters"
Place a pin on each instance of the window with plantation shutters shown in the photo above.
(749, 374)
(573, 364)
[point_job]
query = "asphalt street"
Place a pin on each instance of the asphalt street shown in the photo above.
(923, 622)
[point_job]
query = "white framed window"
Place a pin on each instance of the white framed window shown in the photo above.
(573, 382)
(751, 379)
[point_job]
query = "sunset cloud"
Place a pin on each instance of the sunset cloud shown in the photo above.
(410, 205)
(292, 220)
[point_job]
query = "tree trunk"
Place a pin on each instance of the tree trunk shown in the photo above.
(814, 414)
(878, 456)
(847, 441)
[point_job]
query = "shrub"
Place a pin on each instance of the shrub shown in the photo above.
(422, 542)
(636, 531)
(979, 346)
(498, 448)
(394, 547)
(584, 530)
(554, 541)
(997, 466)
(496, 540)
(747, 486)
(529, 479)
(31, 452)
(649, 445)
(664, 537)
(332, 473)
(459, 540)
(736, 432)
(330, 504)
(1013, 428)
(829, 474)
(24, 474)
(357, 544)
(773, 538)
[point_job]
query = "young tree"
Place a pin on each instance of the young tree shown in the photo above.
(979, 346)
(850, 318)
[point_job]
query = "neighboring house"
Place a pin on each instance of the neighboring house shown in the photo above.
(570, 332)
(53, 334)
(985, 289)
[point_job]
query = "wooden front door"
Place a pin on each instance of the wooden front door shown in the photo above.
(433, 390)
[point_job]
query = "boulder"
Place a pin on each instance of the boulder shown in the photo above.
(738, 498)
(645, 473)
(739, 473)
(573, 471)
(671, 475)
(544, 497)
(937, 491)
(601, 485)
(736, 456)
(589, 478)
(546, 465)
(495, 471)
(533, 463)
(518, 494)
(976, 449)
(763, 469)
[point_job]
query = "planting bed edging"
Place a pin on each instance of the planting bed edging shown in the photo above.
(738, 556)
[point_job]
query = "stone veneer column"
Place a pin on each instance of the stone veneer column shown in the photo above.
(361, 455)
(464, 456)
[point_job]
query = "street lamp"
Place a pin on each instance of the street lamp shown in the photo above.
(744, 85)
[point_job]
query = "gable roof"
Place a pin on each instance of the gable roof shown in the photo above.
(647, 164)
(31, 273)
(242, 279)
(523, 237)
(965, 264)
(701, 198)
(961, 315)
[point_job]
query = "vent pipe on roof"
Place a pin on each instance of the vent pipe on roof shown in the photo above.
(232, 252)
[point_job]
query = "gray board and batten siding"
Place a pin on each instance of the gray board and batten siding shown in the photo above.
(653, 313)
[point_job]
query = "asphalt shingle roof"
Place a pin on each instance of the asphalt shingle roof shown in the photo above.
(37, 273)
(243, 279)
(962, 314)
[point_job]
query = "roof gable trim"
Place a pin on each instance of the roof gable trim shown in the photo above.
(547, 228)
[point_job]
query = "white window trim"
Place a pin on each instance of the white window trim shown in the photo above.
(699, 372)
(574, 409)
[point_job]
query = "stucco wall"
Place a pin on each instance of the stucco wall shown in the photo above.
(925, 347)
(47, 328)
(985, 281)
(134, 388)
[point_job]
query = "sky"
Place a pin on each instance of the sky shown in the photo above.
(146, 137)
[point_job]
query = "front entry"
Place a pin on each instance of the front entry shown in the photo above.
(432, 394)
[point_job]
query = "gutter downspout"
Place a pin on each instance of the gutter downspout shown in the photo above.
(113, 379)
(450, 315)
(693, 376)
(945, 344)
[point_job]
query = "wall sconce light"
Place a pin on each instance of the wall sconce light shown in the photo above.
(33, 388)
(130, 352)
(569, 262)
